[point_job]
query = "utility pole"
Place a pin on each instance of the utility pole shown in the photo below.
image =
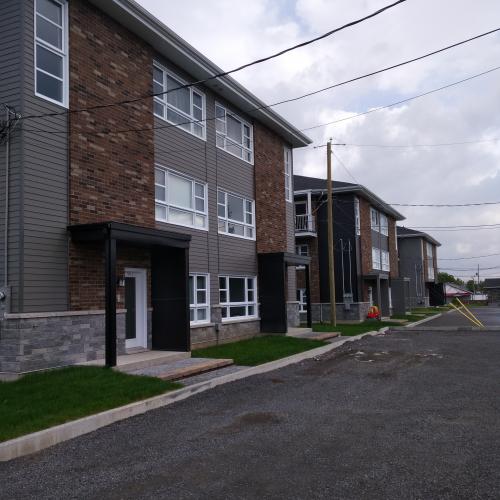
(478, 278)
(331, 258)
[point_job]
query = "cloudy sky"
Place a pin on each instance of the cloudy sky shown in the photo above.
(232, 32)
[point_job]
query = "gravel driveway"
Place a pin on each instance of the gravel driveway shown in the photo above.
(405, 415)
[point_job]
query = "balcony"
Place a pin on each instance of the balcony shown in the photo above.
(305, 225)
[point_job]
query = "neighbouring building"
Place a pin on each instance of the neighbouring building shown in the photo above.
(365, 248)
(132, 221)
(491, 287)
(454, 291)
(418, 264)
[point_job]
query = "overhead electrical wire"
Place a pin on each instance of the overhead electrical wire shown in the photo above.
(234, 70)
(473, 257)
(402, 101)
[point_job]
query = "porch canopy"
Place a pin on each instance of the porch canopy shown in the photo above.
(169, 279)
(273, 289)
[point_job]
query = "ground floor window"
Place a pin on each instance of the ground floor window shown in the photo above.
(302, 299)
(199, 302)
(238, 297)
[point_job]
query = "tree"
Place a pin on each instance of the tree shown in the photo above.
(449, 278)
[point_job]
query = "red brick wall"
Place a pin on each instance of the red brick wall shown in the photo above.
(270, 208)
(365, 237)
(111, 176)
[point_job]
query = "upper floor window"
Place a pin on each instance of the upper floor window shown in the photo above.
(236, 215)
(234, 134)
(302, 250)
(375, 219)
(430, 260)
(51, 50)
(199, 298)
(384, 224)
(386, 262)
(376, 264)
(379, 222)
(288, 174)
(184, 107)
(357, 219)
(180, 200)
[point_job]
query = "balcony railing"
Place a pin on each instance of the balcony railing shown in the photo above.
(305, 224)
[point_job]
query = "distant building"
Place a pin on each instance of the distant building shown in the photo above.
(453, 291)
(492, 287)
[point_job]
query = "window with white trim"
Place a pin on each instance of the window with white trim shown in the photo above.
(375, 219)
(302, 249)
(238, 297)
(376, 264)
(180, 200)
(384, 224)
(288, 174)
(199, 298)
(357, 219)
(302, 299)
(184, 107)
(430, 260)
(51, 50)
(236, 215)
(233, 134)
(386, 262)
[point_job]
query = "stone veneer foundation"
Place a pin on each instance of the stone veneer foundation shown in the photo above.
(320, 313)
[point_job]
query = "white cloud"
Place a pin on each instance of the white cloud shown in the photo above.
(234, 32)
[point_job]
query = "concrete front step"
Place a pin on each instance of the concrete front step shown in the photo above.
(183, 368)
(295, 332)
(143, 360)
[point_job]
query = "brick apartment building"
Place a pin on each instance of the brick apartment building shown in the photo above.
(134, 222)
(365, 247)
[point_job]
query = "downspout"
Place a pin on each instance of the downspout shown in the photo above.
(7, 194)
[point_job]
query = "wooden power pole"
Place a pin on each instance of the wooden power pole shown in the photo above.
(331, 258)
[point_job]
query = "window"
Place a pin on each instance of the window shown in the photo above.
(234, 135)
(386, 263)
(288, 174)
(236, 215)
(238, 297)
(376, 264)
(199, 298)
(384, 225)
(375, 218)
(51, 51)
(302, 250)
(357, 216)
(184, 107)
(302, 299)
(430, 261)
(180, 200)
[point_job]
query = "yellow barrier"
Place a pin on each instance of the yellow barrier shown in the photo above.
(468, 315)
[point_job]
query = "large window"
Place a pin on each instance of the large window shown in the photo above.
(184, 107)
(430, 260)
(234, 134)
(302, 250)
(288, 175)
(376, 264)
(357, 219)
(199, 298)
(236, 215)
(238, 297)
(380, 259)
(375, 219)
(384, 225)
(379, 222)
(180, 200)
(51, 50)
(386, 262)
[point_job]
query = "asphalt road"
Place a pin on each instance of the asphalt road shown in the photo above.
(489, 316)
(402, 416)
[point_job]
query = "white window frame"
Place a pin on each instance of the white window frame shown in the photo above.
(221, 134)
(302, 299)
(63, 52)
(195, 306)
(357, 217)
(247, 303)
(298, 251)
(430, 260)
(384, 224)
(385, 260)
(376, 259)
(375, 224)
(226, 220)
(288, 174)
(166, 204)
(190, 118)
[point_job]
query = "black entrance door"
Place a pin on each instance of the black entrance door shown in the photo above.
(130, 305)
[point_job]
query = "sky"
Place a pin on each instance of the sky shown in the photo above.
(233, 32)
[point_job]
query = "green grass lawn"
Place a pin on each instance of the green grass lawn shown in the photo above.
(45, 399)
(258, 350)
(352, 329)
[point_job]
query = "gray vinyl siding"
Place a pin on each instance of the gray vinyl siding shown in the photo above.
(180, 151)
(11, 57)
(45, 190)
(290, 233)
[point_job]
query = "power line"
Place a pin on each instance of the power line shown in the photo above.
(403, 146)
(469, 268)
(475, 257)
(400, 102)
(444, 205)
(226, 73)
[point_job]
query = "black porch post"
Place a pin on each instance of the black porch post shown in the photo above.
(110, 298)
(308, 297)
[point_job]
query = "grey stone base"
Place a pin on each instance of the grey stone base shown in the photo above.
(30, 342)
(355, 311)
(222, 333)
(293, 314)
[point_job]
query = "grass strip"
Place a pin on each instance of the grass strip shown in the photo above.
(258, 350)
(41, 400)
(352, 329)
